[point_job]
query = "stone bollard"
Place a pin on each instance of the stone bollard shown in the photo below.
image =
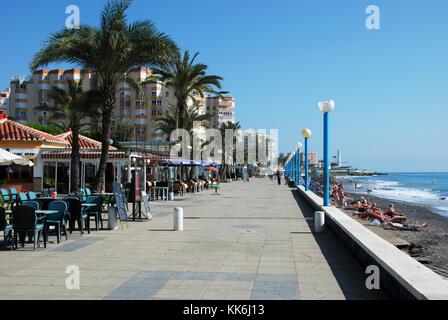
(319, 222)
(178, 219)
(170, 196)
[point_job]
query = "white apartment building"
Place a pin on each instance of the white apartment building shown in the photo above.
(222, 108)
(27, 93)
(4, 100)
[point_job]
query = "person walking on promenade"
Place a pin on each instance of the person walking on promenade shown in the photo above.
(279, 177)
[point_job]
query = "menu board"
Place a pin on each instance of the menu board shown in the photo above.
(145, 199)
(135, 187)
(120, 202)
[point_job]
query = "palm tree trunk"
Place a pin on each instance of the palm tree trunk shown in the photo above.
(182, 114)
(105, 143)
(74, 169)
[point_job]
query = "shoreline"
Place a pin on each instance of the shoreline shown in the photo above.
(433, 240)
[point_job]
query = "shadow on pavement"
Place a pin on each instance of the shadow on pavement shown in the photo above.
(346, 269)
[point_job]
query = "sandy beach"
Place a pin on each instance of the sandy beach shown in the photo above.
(433, 240)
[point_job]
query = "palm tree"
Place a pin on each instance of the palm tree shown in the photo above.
(72, 108)
(187, 80)
(110, 51)
(223, 127)
(170, 122)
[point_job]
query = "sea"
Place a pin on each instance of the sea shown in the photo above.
(429, 189)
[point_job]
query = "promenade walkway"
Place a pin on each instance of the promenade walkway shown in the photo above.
(253, 241)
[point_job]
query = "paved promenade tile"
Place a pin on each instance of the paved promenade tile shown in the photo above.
(253, 241)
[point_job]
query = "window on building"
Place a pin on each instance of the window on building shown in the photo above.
(49, 181)
(63, 178)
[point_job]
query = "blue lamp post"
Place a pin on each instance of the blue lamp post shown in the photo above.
(298, 177)
(306, 133)
(326, 107)
(293, 173)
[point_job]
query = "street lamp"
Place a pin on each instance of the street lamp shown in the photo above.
(306, 133)
(298, 177)
(326, 107)
(294, 163)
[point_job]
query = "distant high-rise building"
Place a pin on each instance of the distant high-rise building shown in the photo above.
(222, 109)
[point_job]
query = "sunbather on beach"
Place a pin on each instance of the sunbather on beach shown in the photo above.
(390, 213)
(407, 227)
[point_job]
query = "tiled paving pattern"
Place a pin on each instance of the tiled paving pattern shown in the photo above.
(254, 241)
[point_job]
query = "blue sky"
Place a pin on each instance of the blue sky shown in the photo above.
(279, 58)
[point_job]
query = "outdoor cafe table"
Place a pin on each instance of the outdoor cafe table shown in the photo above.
(108, 198)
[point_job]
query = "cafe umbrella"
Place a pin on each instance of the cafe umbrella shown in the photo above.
(8, 158)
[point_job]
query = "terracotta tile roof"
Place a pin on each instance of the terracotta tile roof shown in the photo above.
(14, 131)
(84, 142)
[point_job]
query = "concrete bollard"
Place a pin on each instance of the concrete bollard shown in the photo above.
(319, 222)
(112, 218)
(170, 196)
(178, 219)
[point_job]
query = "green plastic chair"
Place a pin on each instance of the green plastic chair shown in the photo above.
(95, 211)
(32, 195)
(23, 197)
(33, 204)
(83, 195)
(6, 228)
(57, 219)
(25, 221)
(13, 193)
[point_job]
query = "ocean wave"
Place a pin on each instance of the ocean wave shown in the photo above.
(409, 193)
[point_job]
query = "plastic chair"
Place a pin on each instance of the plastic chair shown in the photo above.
(95, 211)
(23, 197)
(77, 214)
(32, 195)
(83, 195)
(13, 193)
(24, 221)
(33, 204)
(6, 228)
(5, 197)
(58, 219)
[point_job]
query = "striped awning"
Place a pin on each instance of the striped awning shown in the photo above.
(154, 156)
(57, 154)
